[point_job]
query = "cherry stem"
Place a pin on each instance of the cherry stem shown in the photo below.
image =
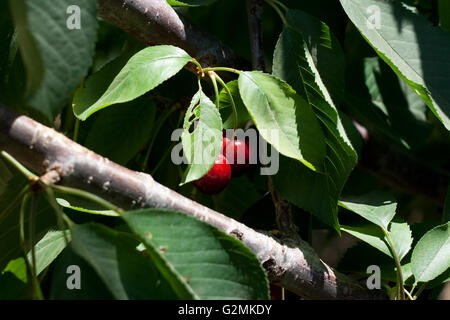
(61, 217)
(199, 66)
(31, 229)
(37, 293)
(222, 69)
(408, 295)
(277, 9)
(280, 4)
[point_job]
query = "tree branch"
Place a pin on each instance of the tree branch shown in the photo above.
(292, 264)
(155, 22)
(254, 11)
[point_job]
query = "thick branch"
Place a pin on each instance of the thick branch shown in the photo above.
(294, 266)
(156, 23)
(254, 11)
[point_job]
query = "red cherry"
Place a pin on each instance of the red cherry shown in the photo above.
(237, 154)
(217, 177)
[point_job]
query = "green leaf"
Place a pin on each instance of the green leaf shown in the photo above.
(202, 145)
(119, 133)
(46, 251)
(401, 237)
(97, 83)
(13, 280)
(357, 258)
(124, 270)
(383, 103)
(389, 272)
(294, 62)
(144, 71)
(283, 118)
(370, 234)
(226, 110)
(215, 265)
(431, 256)
(82, 205)
(190, 3)
(419, 229)
(441, 279)
(29, 48)
(377, 207)
(324, 51)
(409, 50)
(374, 236)
(56, 57)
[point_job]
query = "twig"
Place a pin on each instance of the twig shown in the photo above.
(400, 284)
(156, 22)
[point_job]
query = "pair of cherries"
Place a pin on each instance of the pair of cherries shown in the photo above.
(232, 161)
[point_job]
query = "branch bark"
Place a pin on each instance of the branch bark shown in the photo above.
(155, 22)
(254, 11)
(290, 263)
